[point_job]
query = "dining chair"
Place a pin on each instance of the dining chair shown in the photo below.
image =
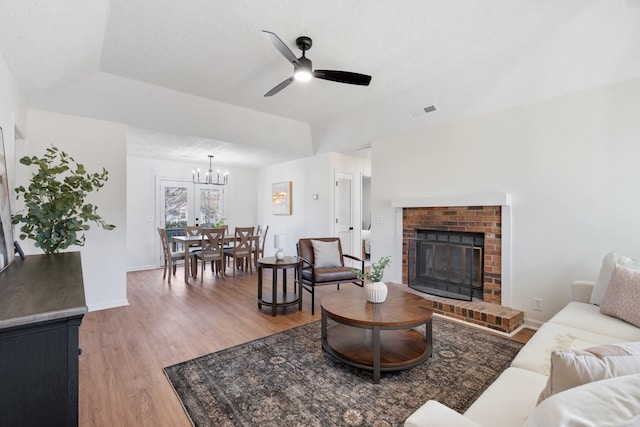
(193, 230)
(171, 258)
(243, 249)
(259, 243)
(211, 250)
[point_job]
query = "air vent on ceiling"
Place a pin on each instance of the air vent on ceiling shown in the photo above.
(417, 112)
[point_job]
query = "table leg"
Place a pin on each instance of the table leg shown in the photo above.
(428, 336)
(323, 328)
(186, 263)
(259, 287)
(284, 281)
(376, 354)
(298, 270)
(274, 301)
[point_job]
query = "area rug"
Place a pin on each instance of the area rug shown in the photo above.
(286, 379)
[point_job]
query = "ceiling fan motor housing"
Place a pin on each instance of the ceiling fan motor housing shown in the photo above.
(304, 43)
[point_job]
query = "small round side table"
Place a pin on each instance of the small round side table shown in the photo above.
(284, 298)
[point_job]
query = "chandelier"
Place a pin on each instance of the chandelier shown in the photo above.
(208, 177)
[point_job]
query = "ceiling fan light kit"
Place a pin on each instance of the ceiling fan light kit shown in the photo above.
(303, 69)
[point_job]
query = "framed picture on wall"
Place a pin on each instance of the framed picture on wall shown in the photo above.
(281, 198)
(7, 253)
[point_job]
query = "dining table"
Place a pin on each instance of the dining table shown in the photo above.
(188, 242)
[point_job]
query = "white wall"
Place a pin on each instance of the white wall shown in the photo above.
(308, 176)
(310, 217)
(143, 242)
(95, 144)
(13, 114)
(572, 165)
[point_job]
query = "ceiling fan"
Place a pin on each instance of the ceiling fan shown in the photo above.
(302, 70)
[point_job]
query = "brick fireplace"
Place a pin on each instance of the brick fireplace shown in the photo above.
(470, 219)
(487, 214)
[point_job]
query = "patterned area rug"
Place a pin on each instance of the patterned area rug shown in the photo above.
(286, 379)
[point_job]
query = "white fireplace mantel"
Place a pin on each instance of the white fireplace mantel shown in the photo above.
(495, 198)
(480, 199)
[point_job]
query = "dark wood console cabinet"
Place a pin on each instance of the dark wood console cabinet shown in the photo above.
(41, 306)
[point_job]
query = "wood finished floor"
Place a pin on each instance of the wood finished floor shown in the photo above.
(125, 349)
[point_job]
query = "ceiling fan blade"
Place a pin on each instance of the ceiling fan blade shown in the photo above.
(343, 77)
(282, 48)
(278, 88)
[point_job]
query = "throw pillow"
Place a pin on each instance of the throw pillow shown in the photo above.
(622, 298)
(604, 277)
(611, 402)
(326, 254)
(572, 368)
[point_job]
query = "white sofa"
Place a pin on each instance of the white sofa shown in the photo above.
(512, 398)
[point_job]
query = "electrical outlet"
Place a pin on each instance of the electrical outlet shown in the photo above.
(537, 304)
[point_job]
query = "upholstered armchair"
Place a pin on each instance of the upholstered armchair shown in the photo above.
(323, 263)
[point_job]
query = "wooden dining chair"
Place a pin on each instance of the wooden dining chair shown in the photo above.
(193, 230)
(259, 243)
(171, 258)
(211, 250)
(243, 249)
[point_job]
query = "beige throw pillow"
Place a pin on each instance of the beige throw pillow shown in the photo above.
(572, 368)
(622, 298)
(609, 262)
(326, 254)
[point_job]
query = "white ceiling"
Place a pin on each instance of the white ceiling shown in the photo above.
(466, 57)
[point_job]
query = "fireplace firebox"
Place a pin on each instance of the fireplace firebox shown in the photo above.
(447, 263)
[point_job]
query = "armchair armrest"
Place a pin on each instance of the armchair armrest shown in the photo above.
(355, 258)
(435, 414)
(305, 261)
(581, 290)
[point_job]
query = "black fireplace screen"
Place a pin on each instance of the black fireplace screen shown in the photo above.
(446, 263)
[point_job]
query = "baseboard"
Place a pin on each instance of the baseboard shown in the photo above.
(532, 324)
(143, 267)
(107, 305)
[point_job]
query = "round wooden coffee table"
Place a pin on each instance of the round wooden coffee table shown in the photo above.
(378, 337)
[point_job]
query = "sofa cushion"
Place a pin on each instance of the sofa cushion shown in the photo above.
(611, 402)
(576, 367)
(536, 355)
(604, 277)
(509, 400)
(622, 298)
(587, 316)
(326, 254)
(435, 414)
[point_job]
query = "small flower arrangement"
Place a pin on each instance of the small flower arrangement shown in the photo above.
(377, 270)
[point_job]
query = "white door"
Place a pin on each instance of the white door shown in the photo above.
(208, 204)
(344, 210)
(176, 204)
(182, 203)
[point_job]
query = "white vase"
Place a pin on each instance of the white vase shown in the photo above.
(376, 291)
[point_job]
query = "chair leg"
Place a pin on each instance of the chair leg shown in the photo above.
(202, 269)
(313, 300)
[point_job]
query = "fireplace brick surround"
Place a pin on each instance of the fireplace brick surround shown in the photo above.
(478, 219)
(475, 219)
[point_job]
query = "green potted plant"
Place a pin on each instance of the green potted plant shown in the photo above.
(56, 214)
(375, 289)
(219, 223)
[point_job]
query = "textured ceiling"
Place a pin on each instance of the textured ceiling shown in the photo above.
(466, 57)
